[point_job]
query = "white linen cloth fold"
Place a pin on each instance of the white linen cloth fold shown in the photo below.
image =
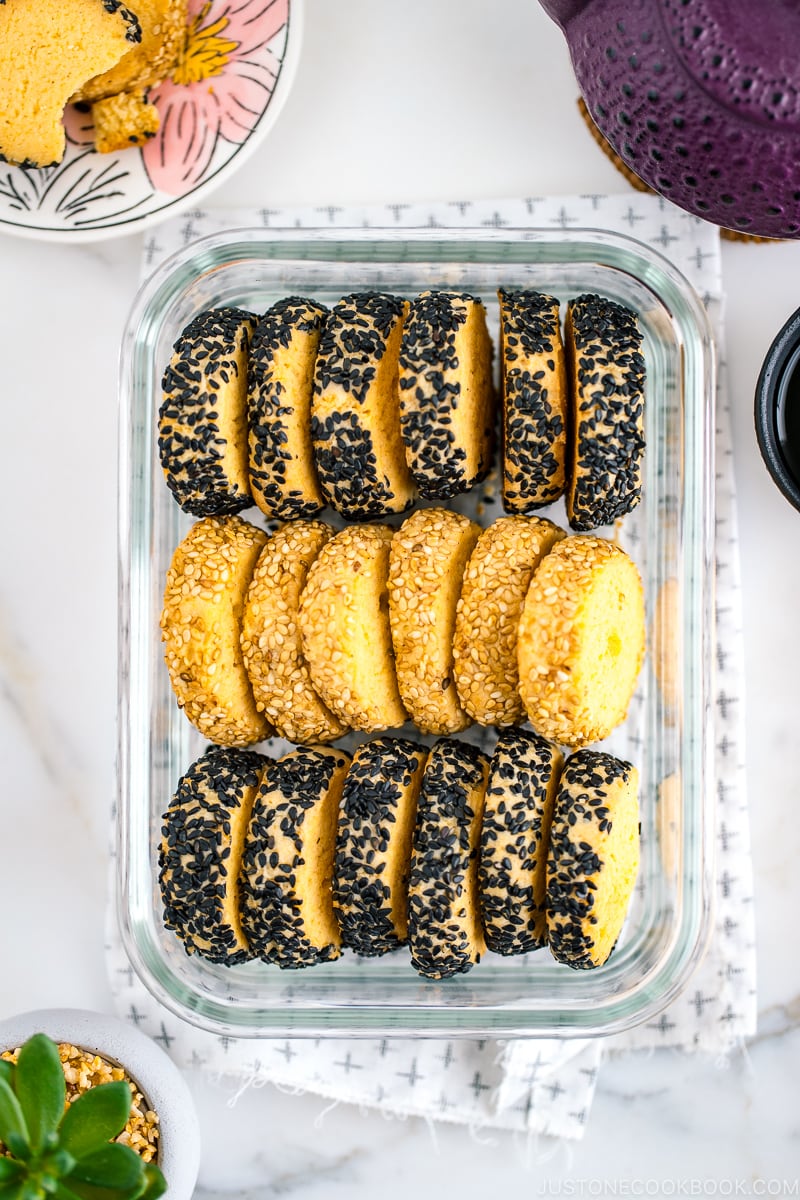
(539, 1085)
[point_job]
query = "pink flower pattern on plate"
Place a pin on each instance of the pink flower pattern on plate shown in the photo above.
(219, 88)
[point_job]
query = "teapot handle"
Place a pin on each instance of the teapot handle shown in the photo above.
(563, 11)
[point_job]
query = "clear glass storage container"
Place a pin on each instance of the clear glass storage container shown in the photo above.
(668, 730)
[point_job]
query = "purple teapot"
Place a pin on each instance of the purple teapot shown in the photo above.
(700, 98)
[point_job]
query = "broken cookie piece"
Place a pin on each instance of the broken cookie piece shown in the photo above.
(48, 49)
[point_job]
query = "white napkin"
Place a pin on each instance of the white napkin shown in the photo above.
(539, 1085)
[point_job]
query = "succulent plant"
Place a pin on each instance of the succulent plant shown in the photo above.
(66, 1153)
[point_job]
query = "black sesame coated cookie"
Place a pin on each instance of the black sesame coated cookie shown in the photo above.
(287, 866)
(201, 849)
(355, 417)
(593, 858)
(444, 922)
(202, 422)
(373, 844)
(446, 393)
(534, 390)
(607, 368)
(283, 351)
(523, 777)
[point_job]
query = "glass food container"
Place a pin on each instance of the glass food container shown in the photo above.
(668, 732)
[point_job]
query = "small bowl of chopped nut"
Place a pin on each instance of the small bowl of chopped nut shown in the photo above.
(95, 1049)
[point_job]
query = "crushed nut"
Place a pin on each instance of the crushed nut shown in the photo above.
(84, 1070)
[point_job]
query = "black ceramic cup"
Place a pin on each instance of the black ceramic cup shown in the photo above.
(777, 410)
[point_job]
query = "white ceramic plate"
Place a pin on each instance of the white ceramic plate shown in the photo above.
(229, 85)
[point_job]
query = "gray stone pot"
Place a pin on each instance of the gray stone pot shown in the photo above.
(158, 1078)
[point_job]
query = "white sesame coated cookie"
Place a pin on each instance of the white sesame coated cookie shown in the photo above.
(581, 640)
(493, 592)
(271, 641)
(201, 625)
(344, 624)
(426, 563)
(163, 24)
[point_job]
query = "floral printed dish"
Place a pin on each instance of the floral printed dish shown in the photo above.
(232, 77)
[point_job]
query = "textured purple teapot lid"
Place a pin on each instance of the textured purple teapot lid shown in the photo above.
(701, 98)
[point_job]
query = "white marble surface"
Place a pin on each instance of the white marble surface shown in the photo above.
(458, 99)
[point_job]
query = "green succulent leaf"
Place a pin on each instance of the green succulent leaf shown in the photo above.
(12, 1120)
(9, 1169)
(113, 1166)
(59, 1162)
(62, 1192)
(156, 1184)
(19, 1147)
(40, 1088)
(79, 1190)
(31, 1190)
(7, 1072)
(95, 1118)
(11, 1190)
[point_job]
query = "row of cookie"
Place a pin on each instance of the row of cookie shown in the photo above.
(291, 860)
(310, 633)
(381, 400)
